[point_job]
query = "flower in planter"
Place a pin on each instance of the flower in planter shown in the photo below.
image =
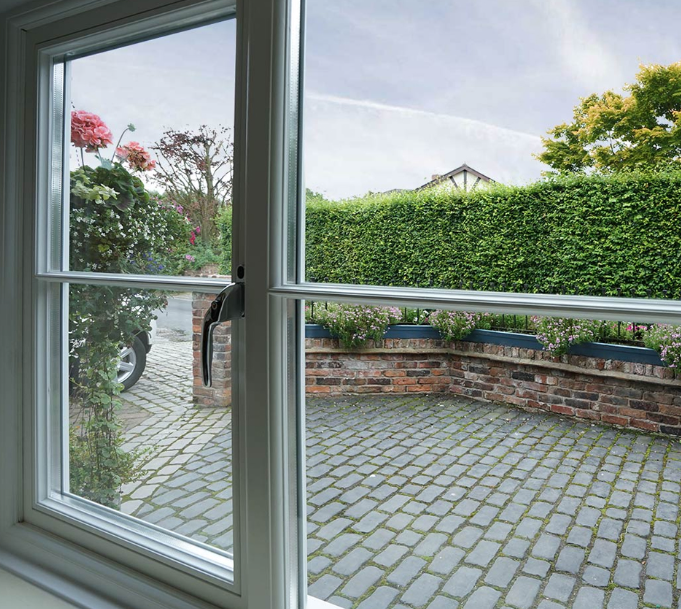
(456, 325)
(666, 340)
(354, 325)
(558, 334)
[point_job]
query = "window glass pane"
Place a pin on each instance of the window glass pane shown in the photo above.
(480, 460)
(493, 147)
(146, 437)
(151, 155)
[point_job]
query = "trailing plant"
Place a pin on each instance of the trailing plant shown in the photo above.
(558, 334)
(456, 325)
(354, 325)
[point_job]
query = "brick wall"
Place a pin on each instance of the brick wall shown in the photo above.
(621, 393)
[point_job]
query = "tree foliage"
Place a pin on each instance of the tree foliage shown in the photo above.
(640, 129)
(195, 168)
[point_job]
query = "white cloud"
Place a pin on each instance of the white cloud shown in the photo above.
(583, 50)
(354, 146)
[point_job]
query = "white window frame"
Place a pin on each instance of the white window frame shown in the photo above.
(78, 545)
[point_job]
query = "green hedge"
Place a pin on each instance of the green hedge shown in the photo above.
(617, 234)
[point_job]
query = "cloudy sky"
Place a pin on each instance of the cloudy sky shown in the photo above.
(398, 90)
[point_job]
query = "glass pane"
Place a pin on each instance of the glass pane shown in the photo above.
(146, 437)
(483, 147)
(151, 155)
(475, 460)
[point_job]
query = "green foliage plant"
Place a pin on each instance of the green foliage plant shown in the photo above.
(223, 221)
(354, 325)
(116, 227)
(456, 325)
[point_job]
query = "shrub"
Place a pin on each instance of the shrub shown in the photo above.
(223, 222)
(354, 325)
(557, 334)
(456, 325)
(611, 235)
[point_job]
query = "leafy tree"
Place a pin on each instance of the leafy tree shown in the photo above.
(640, 129)
(195, 168)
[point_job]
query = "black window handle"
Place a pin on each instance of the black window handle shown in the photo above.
(229, 304)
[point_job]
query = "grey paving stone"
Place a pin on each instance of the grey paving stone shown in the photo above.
(424, 523)
(325, 586)
(528, 527)
(658, 593)
(381, 598)
(558, 524)
(603, 553)
(547, 604)
(516, 547)
(483, 553)
(628, 573)
(660, 566)
(391, 555)
(467, 537)
(378, 539)
(483, 598)
(623, 599)
(502, 572)
(421, 590)
(318, 564)
(342, 544)
(559, 587)
(449, 524)
(534, 566)
(430, 544)
(361, 582)
(442, 602)
(609, 529)
(589, 598)
(499, 531)
(546, 546)
(352, 561)
(462, 582)
(523, 592)
(596, 576)
(570, 560)
(446, 560)
(634, 547)
(406, 571)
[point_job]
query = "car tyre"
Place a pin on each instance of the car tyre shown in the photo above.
(132, 363)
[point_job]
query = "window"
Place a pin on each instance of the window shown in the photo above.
(139, 557)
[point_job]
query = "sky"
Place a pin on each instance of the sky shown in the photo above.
(397, 90)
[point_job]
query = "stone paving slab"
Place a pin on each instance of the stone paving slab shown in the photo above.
(431, 501)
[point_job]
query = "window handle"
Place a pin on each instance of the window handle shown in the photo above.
(229, 304)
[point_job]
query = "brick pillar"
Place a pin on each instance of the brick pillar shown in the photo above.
(220, 394)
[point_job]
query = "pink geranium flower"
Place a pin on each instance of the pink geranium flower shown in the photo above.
(136, 156)
(89, 131)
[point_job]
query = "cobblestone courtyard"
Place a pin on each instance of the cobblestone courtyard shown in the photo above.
(434, 502)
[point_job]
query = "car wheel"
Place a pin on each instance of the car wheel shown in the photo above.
(132, 363)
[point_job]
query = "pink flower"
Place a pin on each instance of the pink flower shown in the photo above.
(89, 131)
(136, 156)
(190, 258)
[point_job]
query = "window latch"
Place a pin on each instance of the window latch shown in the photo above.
(228, 305)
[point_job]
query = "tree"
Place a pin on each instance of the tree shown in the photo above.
(195, 169)
(615, 132)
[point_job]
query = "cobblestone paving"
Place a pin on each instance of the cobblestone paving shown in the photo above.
(431, 501)
(187, 485)
(442, 503)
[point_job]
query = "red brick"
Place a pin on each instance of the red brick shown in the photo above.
(647, 425)
(615, 420)
(562, 409)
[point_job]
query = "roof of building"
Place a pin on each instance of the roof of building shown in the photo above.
(450, 175)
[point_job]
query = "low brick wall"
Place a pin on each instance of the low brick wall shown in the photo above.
(641, 396)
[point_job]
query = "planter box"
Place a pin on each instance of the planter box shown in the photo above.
(624, 353)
